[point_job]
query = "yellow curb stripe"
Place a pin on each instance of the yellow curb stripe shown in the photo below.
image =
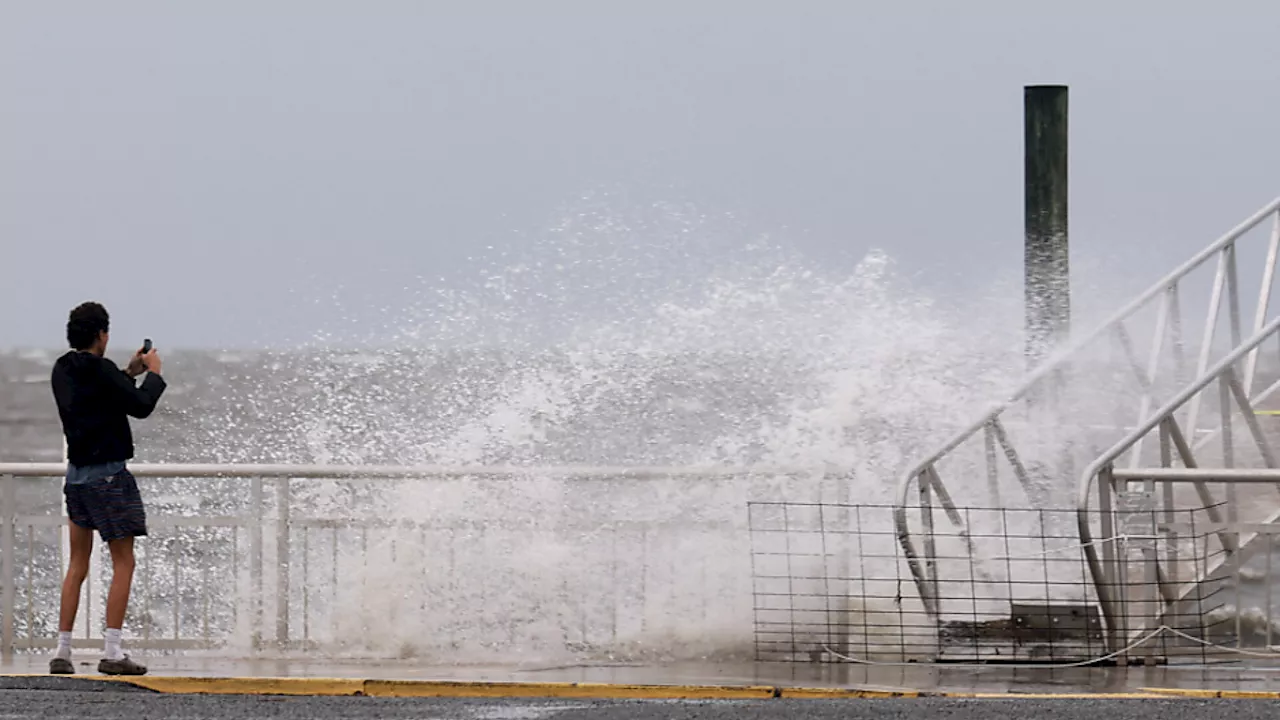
(1144, 695)
(244, 685)
(836, 693)
(439, 688)
(416, 688)
(1224, 694)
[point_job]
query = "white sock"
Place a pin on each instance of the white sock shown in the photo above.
(64, 646)
(113, 651)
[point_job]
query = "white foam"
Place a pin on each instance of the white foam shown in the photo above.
(663, 353)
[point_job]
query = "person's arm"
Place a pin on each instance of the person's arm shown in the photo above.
(136, 366)
(138, 401)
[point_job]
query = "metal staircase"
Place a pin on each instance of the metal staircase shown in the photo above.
(1240, 506)
(1183, 497)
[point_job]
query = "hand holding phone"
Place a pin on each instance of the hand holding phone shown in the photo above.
(150, 358)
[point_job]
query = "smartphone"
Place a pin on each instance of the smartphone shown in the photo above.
(146, 346)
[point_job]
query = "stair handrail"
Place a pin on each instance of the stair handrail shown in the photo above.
(1106, 599)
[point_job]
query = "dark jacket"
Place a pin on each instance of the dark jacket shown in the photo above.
(94, 399)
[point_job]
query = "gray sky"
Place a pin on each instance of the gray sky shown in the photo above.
(219, 172)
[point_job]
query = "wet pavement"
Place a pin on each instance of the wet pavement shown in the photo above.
(112, 706)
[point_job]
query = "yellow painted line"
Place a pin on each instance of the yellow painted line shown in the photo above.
(437, 688)
(242, 685)
(1225, 694)
(1266, 412)
(607, 691)
(842, 693)
(1143, 695)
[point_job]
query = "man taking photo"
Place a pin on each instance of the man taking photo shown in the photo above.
(95, 400)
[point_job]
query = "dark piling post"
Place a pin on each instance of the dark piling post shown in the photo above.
(1048, 287)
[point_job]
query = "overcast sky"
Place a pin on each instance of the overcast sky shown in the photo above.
(230, 174)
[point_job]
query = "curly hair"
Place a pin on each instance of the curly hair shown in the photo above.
(86, 321)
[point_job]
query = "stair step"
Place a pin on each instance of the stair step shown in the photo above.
(1033, 632)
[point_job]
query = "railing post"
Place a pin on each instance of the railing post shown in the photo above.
(1206, 342)
(930, 540)
(1110, 569)
(8, 548)
(256, 500)
(1228, 448)
(1122, 598)
(1264, 300)
(1233, 297)
(282, 561)
(1170, 516)
(1233, 498)
(993, 471)
(1151, 596)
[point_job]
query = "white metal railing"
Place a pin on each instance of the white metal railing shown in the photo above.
(424, 472)
(597, 559)
(1035, 396)
(1110, 571)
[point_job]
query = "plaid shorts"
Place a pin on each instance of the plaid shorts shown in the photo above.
(112, 506)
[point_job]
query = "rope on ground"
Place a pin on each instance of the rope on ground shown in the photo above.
(1153, 634)
(1225, 648)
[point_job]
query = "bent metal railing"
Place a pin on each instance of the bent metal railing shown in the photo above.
(1035, 410)
(410, 560)
(1110, 568)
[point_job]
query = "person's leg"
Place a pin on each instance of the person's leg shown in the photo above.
(77, 571)
(121, 582)
(118, 596)
(125, 519)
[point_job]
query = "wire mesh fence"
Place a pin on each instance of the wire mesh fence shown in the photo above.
(831, 584)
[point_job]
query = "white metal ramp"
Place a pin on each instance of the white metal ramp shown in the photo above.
(1172, 516)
